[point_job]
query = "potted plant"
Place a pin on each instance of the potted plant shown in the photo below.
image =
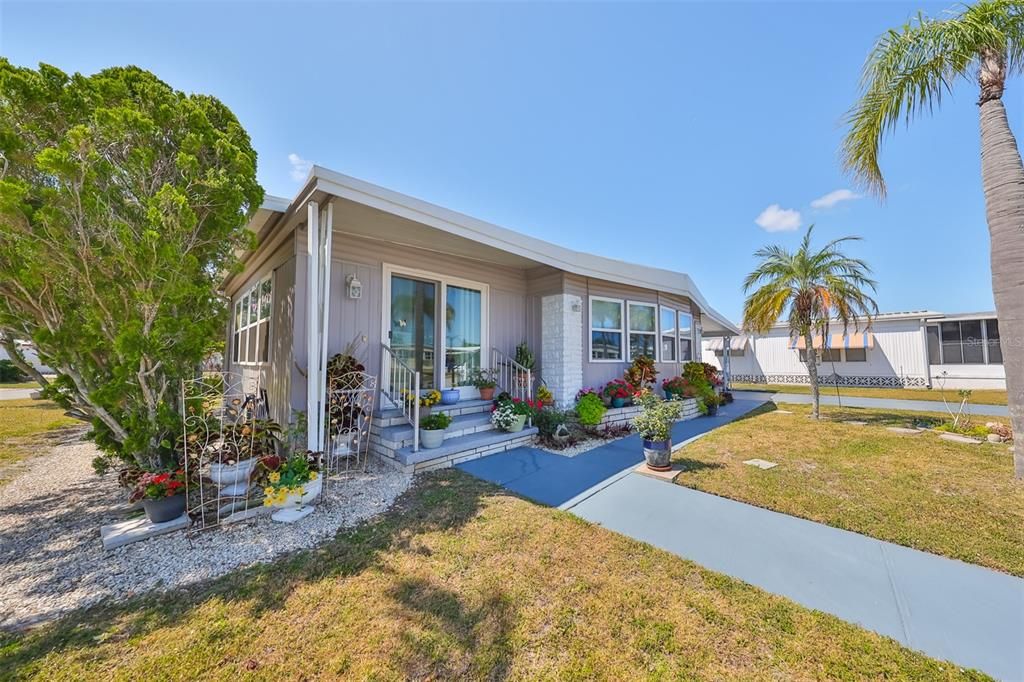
(589, 407)
(483, 381)
(450, 396)
(524, 356)
(674, 387)
(618, 392)
(654, 424)
(294, 482)
(432, 429)
(511, 415)
(641, 372)
(240, 448)
(544, 395)
(427, 400)
(162, 495)
(711, 401)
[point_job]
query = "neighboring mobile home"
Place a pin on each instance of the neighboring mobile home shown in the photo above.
(429, 292)
(921, 349)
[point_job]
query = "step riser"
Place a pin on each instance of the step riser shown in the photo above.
(459, 457)
(396, 418)
(407, 441)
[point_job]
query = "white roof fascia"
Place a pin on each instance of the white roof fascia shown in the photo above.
(576, 262)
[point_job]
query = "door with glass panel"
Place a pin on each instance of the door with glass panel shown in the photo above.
(463, 337)
(413, 325)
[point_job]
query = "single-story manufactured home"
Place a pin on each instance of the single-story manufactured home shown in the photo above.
(924, 349)
(430, 296)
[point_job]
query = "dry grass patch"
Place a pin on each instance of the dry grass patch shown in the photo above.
(919, 491)
(978, 396)
(25, 426)
(462, 581)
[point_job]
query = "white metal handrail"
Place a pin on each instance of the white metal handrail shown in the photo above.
(402, 388)
(511, 376)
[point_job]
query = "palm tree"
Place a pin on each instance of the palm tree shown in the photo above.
(906, 74)
(816, 286)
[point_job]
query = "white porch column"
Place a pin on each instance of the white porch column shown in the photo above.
(319, 225)
(562, 346)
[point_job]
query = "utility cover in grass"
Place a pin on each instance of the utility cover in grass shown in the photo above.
(761, 463)
(854, 422)
(957, 438)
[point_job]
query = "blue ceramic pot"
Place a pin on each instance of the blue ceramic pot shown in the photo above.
(618, 402)
(449, 396)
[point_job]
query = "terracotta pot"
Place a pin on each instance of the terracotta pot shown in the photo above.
(487, 393)
(164, 509)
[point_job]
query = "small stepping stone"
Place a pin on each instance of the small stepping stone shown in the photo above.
(901, 430)
(117, 534)
(782, 412)
(853, 422)
(957, 438)
(761, 463)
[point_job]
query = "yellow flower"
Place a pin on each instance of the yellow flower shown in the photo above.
(267, 492)
(268, 502)
(312, 475)
(275, 476)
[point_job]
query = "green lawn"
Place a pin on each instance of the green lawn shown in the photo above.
(20, 384)
(462, 581)
(948, 498)
(24, 425)
(978, 396)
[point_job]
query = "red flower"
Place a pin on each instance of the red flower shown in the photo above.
(161, 478)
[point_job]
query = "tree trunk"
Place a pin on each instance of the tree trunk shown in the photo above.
(812, 372)
(1002, 177)
(7, 343)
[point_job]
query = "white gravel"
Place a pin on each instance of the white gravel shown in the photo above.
(582, 446)
(51, 559)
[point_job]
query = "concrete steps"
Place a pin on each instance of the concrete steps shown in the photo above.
(462, 449)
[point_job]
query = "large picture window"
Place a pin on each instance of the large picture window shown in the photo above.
(606, 329)
(643, 330)
(251, 335)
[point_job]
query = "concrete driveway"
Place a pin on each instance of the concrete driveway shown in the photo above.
(16, 393)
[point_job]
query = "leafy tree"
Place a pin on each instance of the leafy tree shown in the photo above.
(122, 204)
(907, 73)
(815, 287)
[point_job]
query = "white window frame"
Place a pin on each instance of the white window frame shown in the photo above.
(674, 334)
(691, 337)
(621, 330)
(984, 340)
(252, 326)
(629, 330)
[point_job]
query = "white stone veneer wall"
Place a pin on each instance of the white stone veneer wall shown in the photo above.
(562, 346)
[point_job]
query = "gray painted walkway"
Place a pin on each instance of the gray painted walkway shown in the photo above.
(829, 398)
(947, 609)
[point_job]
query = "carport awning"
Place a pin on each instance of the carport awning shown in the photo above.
(856, 340)
(735, 342)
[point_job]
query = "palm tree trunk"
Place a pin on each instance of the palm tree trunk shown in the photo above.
(812, 372)
(1002, 177)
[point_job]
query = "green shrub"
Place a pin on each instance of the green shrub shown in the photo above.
(590, 409)
(548, 420)
(9, 373)
(439, 421)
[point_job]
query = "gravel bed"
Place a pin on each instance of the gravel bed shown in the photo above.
(580, 447)
(51, 559)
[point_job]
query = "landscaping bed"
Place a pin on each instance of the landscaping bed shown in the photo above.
(462, 581)
(51, 559)
(912, 488)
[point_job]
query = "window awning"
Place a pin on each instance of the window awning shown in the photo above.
(856, 340)
(718, 343)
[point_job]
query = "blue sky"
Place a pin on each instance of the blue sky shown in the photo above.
(656, 133)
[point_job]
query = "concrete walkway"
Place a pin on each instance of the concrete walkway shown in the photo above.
(556, 480)
(829, 398)
(947, 609)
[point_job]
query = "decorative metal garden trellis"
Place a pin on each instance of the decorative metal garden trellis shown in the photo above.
(350, 401)
(226, 429)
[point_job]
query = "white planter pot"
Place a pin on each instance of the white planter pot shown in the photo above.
(431, 438)
(232, 479)
(298, 506)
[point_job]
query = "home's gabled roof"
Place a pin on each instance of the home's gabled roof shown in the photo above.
(537, 250)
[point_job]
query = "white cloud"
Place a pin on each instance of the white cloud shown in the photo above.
(833, 198)
(778, 219)
(300, 167)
